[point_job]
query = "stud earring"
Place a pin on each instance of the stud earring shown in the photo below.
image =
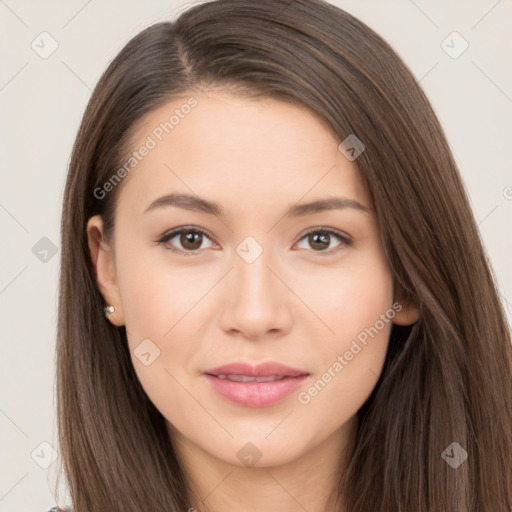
(108, 310)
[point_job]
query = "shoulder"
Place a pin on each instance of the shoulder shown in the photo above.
(57, 509)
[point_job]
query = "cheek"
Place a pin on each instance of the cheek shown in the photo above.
(355, 302)
(346, 298)
(156, 294)
(157, 301)
(162, 303)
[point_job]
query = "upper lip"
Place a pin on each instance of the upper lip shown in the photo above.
(266, 369)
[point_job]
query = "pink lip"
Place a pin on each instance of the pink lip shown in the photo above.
(256, 394)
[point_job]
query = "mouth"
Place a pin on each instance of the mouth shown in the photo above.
(247, 378)
(255, 386)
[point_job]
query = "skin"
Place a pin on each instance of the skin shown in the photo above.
(293, 304)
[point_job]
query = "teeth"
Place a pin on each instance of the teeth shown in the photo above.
(246, 378)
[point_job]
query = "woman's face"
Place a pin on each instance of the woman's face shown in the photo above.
(270, 281)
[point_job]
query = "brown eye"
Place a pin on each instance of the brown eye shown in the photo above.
(321, 241)
(191, 240)
(184, 240)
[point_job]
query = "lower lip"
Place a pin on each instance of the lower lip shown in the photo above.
(256, 394)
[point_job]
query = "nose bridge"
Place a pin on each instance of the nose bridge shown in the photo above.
(259, 298)
(253, 278)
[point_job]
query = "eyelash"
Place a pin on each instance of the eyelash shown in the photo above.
(346, 241)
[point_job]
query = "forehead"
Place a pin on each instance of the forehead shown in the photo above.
(227, 148)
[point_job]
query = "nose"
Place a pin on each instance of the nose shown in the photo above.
(259, 302)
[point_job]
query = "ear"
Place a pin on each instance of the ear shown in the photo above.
(407, 313)
(102, 256)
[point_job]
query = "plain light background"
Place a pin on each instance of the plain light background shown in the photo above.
(41, 104)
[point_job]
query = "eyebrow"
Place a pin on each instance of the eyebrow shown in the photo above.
(197, 204)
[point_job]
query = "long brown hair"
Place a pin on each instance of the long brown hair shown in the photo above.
(447, 378)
